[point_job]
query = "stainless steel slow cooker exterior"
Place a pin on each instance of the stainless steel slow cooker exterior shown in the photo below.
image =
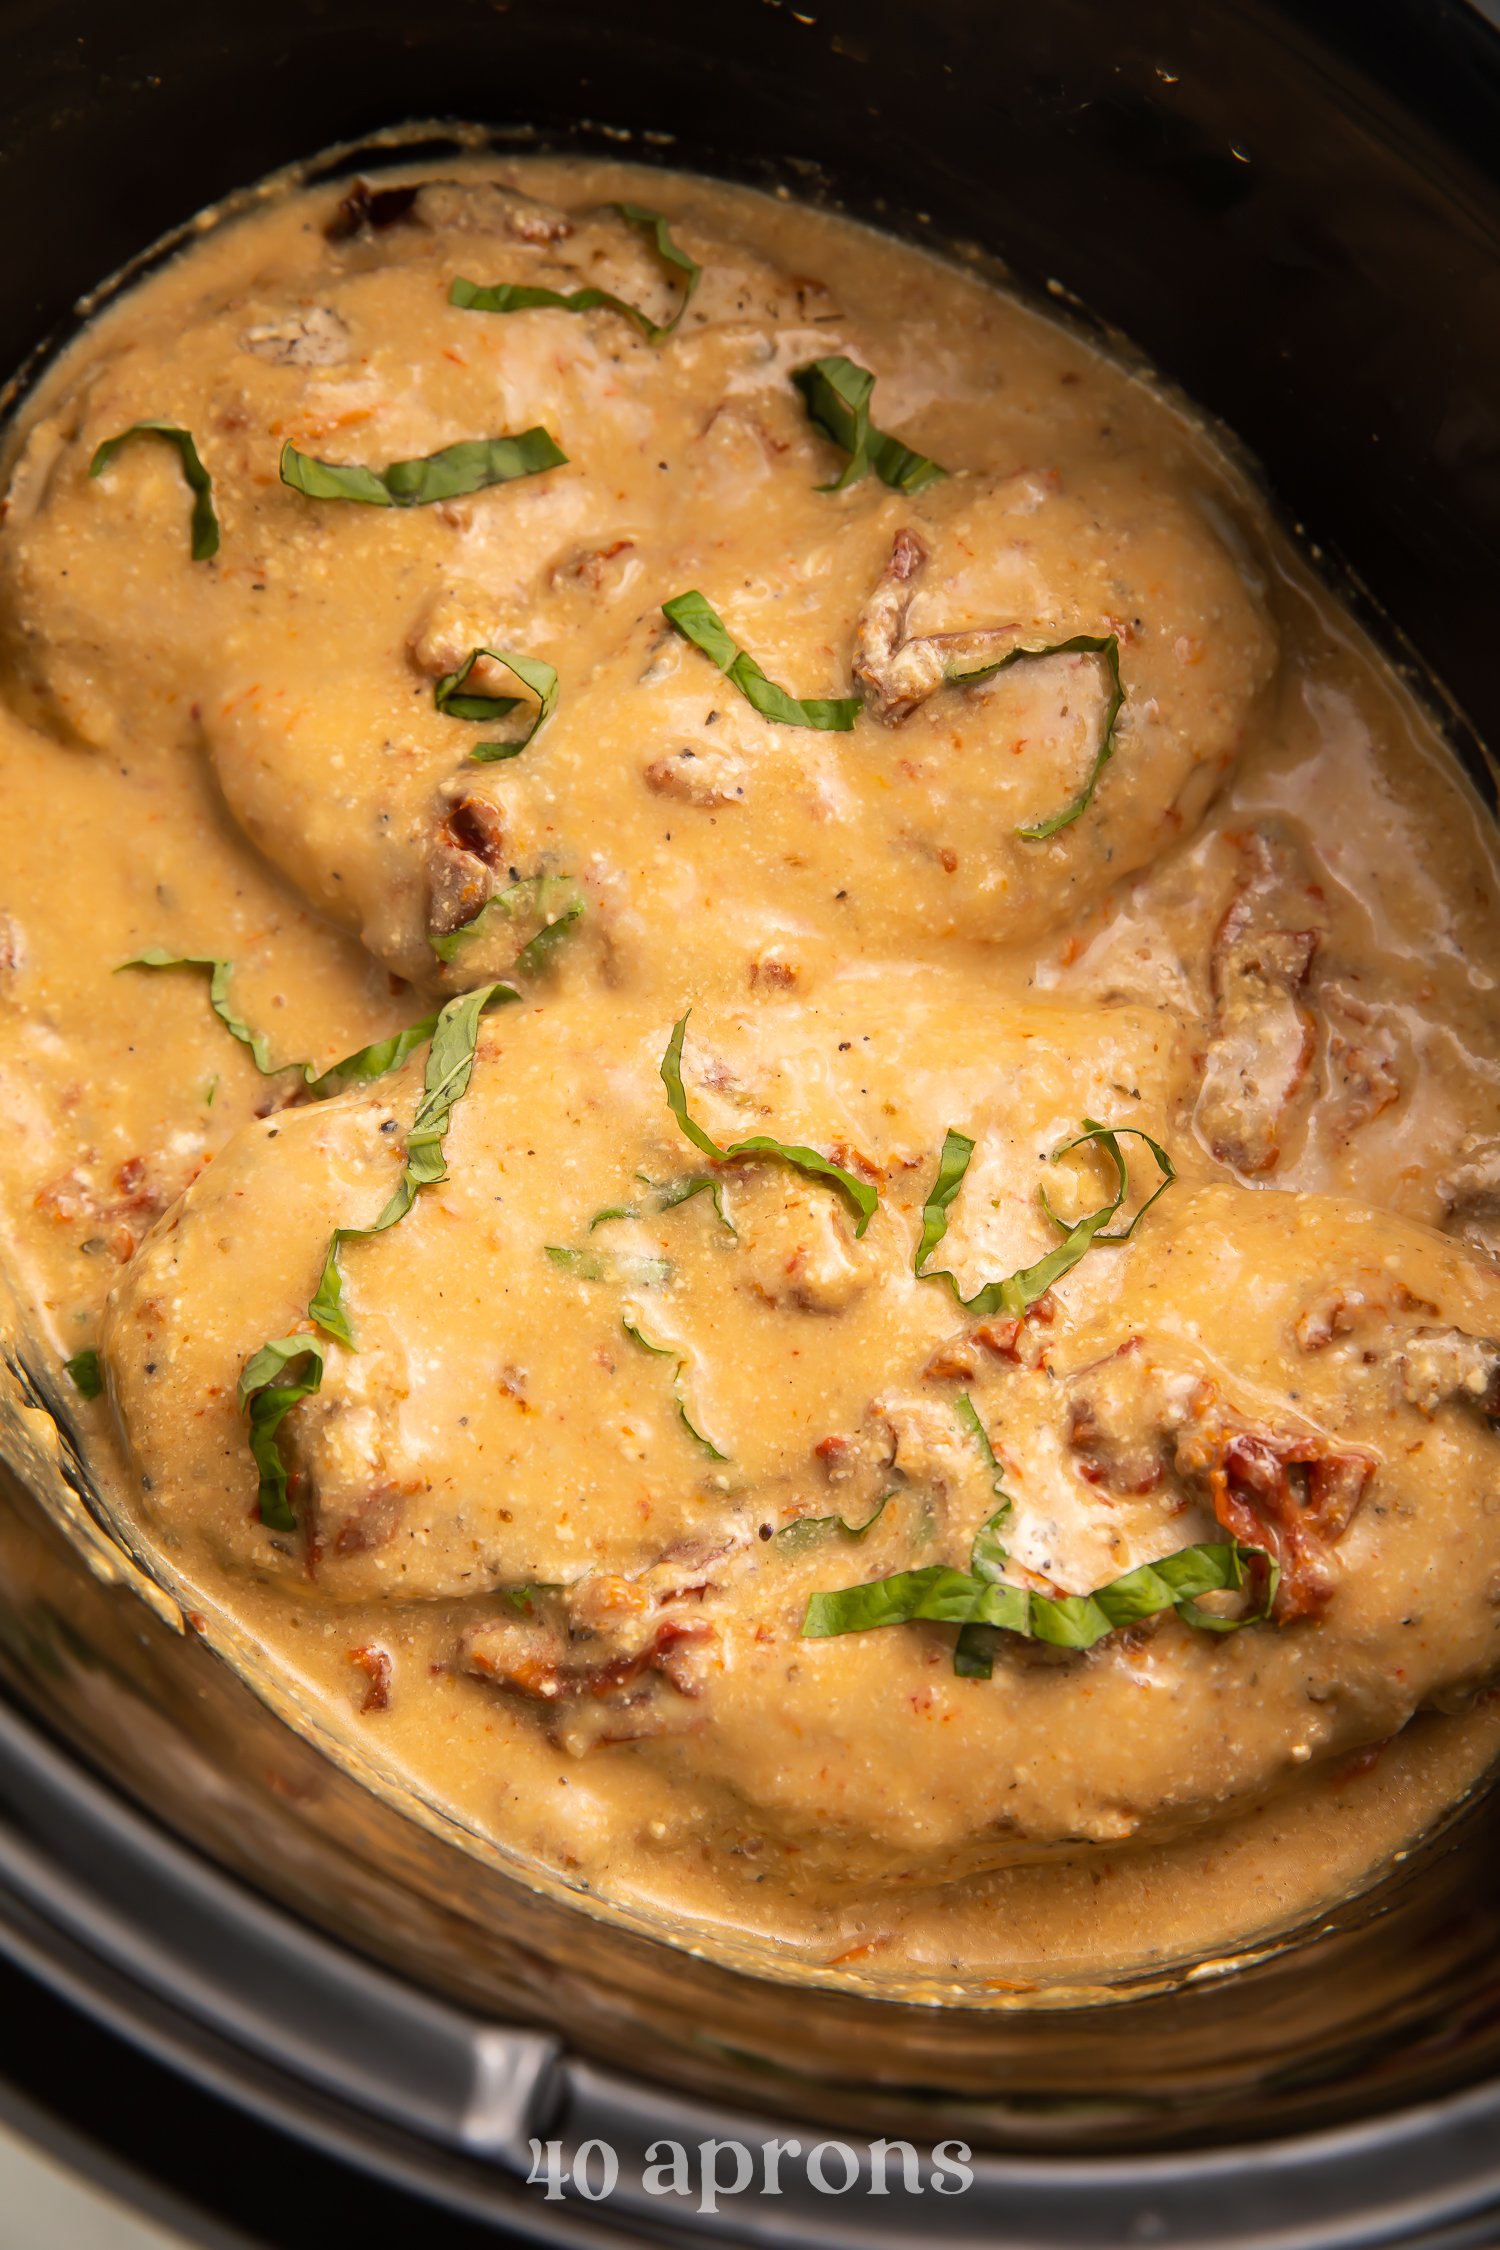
(1294, 211)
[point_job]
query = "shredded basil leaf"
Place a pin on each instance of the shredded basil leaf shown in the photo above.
(691, 615)
(357, 1069)
(204, 524)
(988, 1556)
(556, 899)
(449, 474)
(836, 393)
(966, 1414)
(219, 974)
(863, 1197)
(609, 1265)
(793, 1537)
(670, 253)
(1106, 645)
(86, 1373)
(956, 1597)
(369, 1062)
(638, 1335)
(450, 1065)
(666, 1196)
(529, 670)
(1019, 1291)
(537, 952)
(274, 1380)
(515, 296)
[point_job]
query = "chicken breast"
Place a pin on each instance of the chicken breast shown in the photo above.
(565, 1363)
(304, 658)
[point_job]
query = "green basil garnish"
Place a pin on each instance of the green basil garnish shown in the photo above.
(529, 670)
(515, 296)
(370, 1062)
(357, 1069)
(988, 1556)
(1106, 645)
(269, 1387)
(966, 1414)
(86, 1373)
(555, 897)
(697, 622)
(449, 474)
(204, 539)
(609, 1265)
(219, 974)
(793, 1537)
(946, 1596)
(638, 1335)
(666, 1196)
(1019, 1291)
(450, 1065)
(863, 1197)
(836, 394)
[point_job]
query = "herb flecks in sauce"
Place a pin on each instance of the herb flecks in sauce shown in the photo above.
(203, 523)
(85, 1373)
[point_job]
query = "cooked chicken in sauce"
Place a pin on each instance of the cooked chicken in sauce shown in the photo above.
(752, 1073)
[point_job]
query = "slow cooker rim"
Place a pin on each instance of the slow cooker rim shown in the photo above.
(42, 1787)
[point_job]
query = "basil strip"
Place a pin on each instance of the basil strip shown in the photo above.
(515, 296)
(836, 393)
(946, 1596)
(449, 474)
(638, 1335)
(529, 670)
(357, 1069)
(450, 1065)
(86, 1373)
(270, 1386)
(219, 974)
(966, 1414)
(609, 1265)
(988, 1557)
(555, 897)
(863, 1197)
(204, 524)
(670, 253)
(368, 1062)
(696, 621)
(666, 1197)
(793, 1537)
(1019, 1291)
(1106, 645)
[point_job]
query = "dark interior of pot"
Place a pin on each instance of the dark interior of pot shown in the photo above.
(1295, 215)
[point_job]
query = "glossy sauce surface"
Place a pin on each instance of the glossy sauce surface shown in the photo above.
(556, 1516)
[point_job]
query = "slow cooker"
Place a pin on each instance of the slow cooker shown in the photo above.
(1293, 212)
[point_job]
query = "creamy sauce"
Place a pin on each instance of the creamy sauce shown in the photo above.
(554, 1524)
